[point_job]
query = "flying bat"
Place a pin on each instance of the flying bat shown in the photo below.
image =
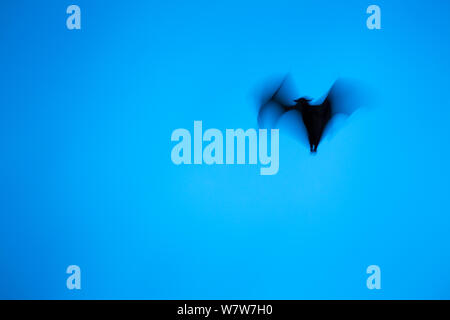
(315, 117)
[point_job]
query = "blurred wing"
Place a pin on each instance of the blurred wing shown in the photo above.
(276, 105)
(279, 97)
(344, 97)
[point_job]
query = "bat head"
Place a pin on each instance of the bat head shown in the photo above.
(303, 101)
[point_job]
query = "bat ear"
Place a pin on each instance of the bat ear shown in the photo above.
(303, 99)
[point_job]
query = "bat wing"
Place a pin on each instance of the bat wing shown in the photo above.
(279, 99)
(343, 99)
(278, 103)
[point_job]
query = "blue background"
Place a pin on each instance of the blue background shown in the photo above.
(86, 177)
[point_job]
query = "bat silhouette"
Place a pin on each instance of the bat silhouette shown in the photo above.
(315, 117)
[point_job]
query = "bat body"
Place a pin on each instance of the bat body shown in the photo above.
(315, 117)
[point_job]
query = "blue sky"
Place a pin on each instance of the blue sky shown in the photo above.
(86, 118)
